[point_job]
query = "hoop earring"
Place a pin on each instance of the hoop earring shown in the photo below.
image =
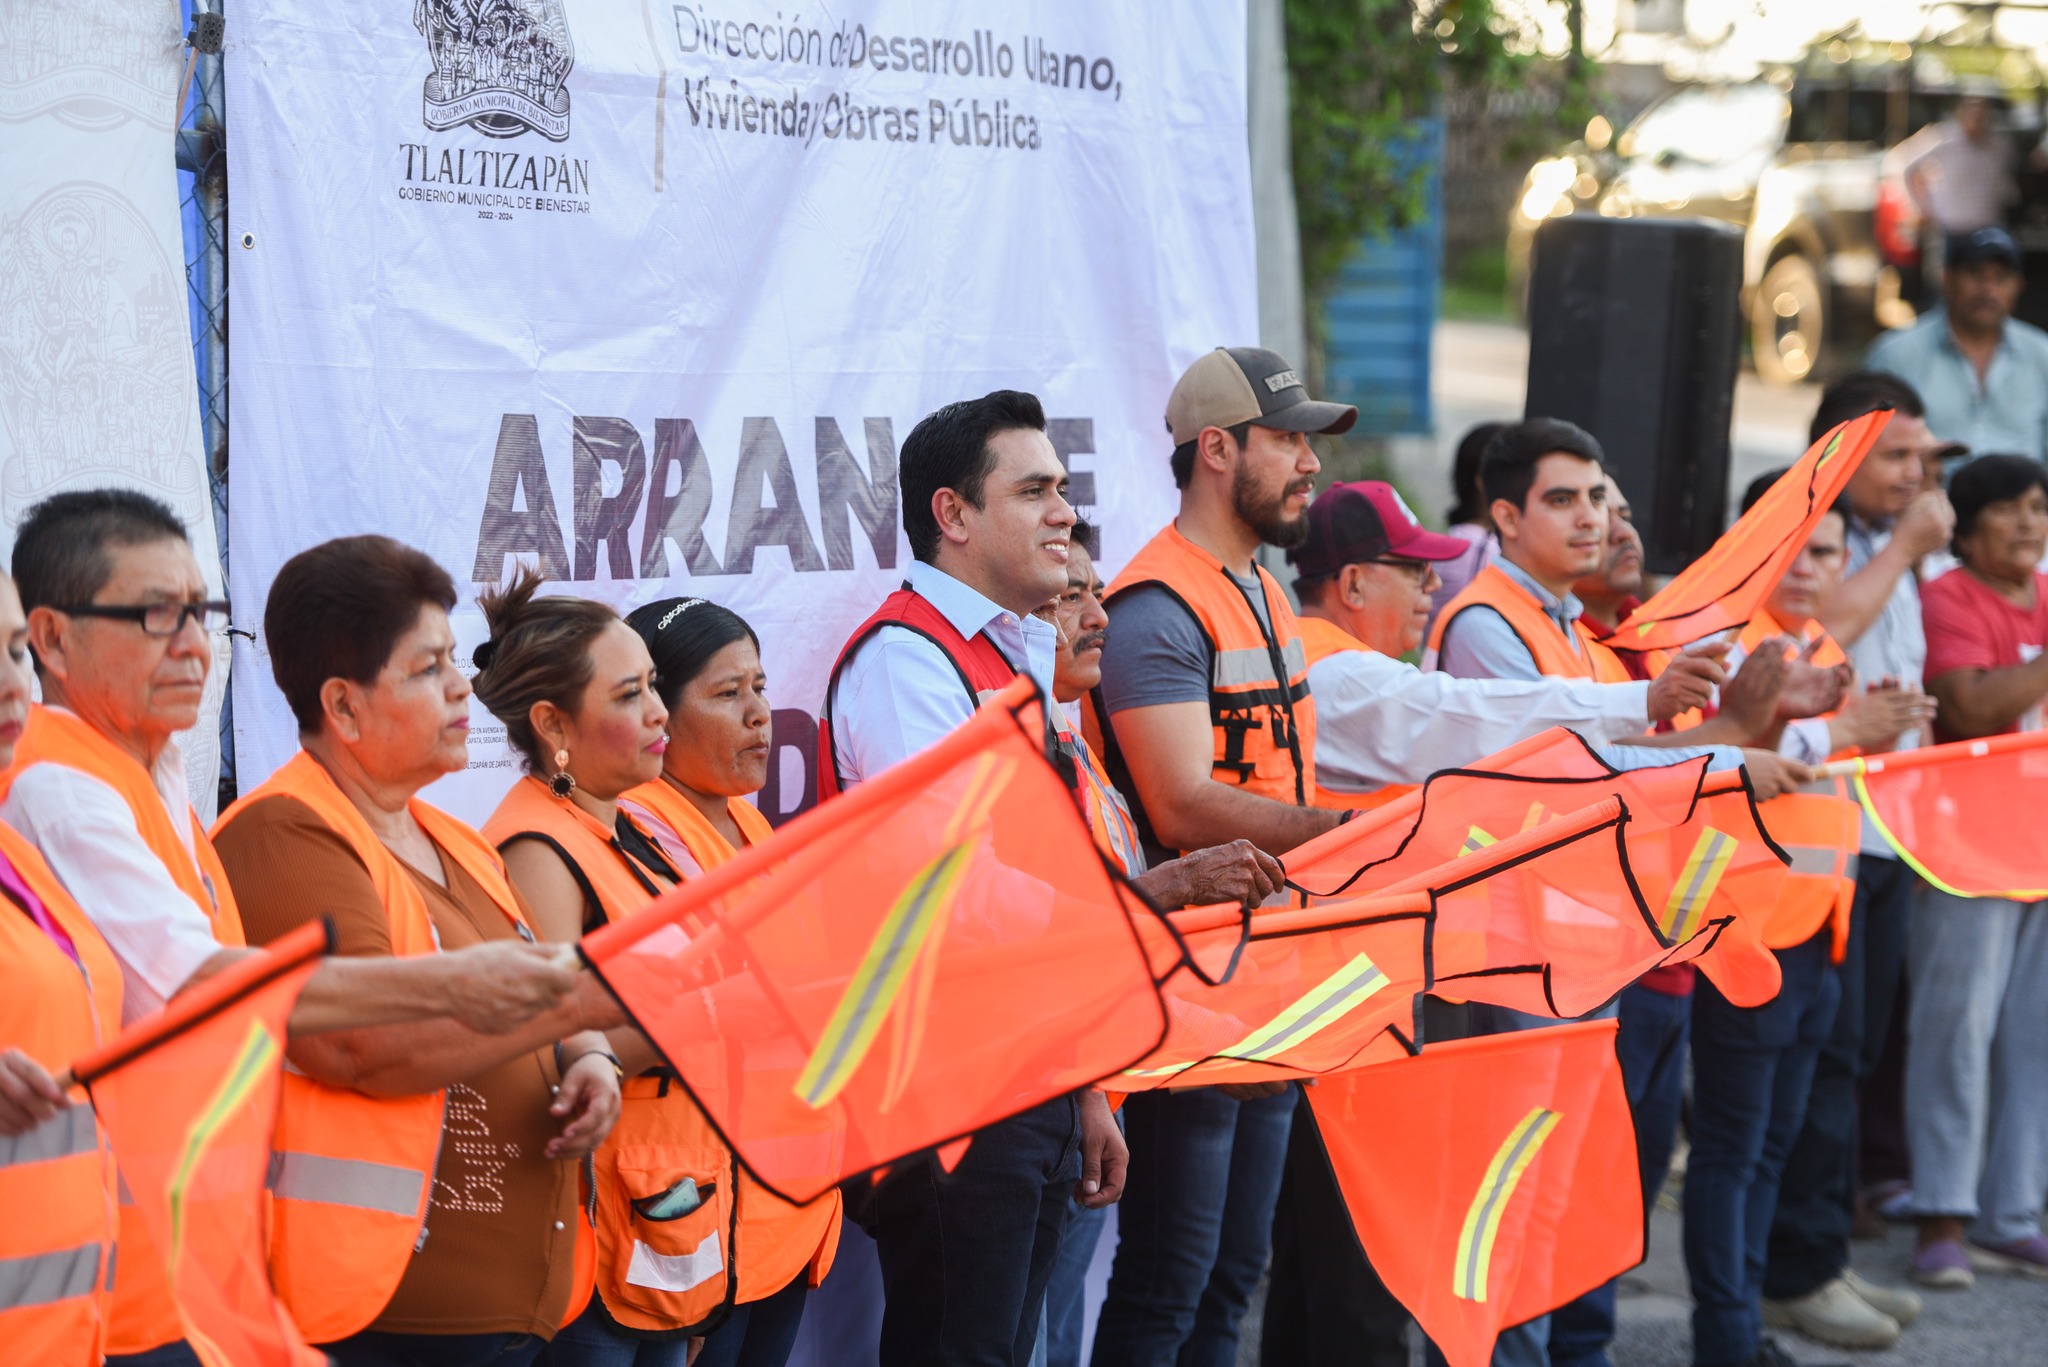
(564, 782)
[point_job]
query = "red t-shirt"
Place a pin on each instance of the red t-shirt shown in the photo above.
(1970, 626)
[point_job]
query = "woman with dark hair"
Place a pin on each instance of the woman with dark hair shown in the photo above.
(485, 1262)
(707, 667)
(1468, 517)
(1977, 1056)
(677, 1235)
(575, 689)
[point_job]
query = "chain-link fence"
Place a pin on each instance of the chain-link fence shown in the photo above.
(203, 194)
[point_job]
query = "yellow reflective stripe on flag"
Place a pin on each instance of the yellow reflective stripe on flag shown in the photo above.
(1534, 818)
(875, 984)
(1168, 1071)
(1475, 841)
(258, 1055)
(1321, 1006)
(1687, 905)
(1496, 1189)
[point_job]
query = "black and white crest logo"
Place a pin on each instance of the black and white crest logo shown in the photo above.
(500, 66)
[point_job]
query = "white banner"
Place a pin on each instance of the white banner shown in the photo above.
(96, 380)
(651, 293)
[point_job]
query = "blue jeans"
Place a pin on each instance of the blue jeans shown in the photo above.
(1752, 1069)
(966, 1256)
(593, 1340)
(759, 1333)
(1655, 1027)
(373, 1349)
(1194, 1226)
(177, 1353)
(1064, 1308)
(1810, 1233)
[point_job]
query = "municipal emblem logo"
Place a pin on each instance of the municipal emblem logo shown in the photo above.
(500, 66)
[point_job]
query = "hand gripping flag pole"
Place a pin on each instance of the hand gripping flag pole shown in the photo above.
(189, 1100)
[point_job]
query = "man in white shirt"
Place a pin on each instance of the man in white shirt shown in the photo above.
(966, 1256)
(118, 620)
(1959, 170)
(96, 570)
(1367, 573)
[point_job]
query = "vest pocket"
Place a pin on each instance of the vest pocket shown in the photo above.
(666, 1227)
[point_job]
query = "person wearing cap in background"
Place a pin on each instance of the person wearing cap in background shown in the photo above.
(1205, 722)
(1981, 373)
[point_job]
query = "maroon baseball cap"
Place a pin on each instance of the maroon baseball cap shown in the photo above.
(1366, 520)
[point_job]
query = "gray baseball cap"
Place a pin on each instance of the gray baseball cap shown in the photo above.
(1238, 384)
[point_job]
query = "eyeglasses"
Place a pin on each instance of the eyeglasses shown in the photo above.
(157, 619)
(1418, 570)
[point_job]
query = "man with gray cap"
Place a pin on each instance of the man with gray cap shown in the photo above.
(1982, 373)
(1205, 722)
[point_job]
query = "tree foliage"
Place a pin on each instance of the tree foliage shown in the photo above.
(1360, 73)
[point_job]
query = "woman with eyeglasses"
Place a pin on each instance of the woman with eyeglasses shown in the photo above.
(707, 667)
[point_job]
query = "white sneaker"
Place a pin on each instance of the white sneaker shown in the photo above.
(1901, 1304)
(1834, 1314)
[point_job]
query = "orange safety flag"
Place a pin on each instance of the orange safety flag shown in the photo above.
(1725, 587)
(189, 1099)
(1560, 934)
(1485, 1177)
(1470, 807)
(939, 949)
(1307, 991)
(1965, 816)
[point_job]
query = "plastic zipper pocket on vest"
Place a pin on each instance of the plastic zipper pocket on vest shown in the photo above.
(679, 1200)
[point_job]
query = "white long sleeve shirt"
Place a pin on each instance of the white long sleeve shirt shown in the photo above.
(1382, 721)
(89, 838)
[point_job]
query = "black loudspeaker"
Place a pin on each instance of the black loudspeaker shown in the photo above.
(1635, 330)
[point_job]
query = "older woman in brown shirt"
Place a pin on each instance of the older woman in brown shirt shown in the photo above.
(361, 646)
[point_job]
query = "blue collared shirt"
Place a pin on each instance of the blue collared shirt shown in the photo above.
(2007, 413)
(899, 693)
(1479, 643)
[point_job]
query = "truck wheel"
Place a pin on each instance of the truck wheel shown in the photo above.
(1787, 327)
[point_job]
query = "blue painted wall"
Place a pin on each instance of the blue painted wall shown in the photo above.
(1377, 321)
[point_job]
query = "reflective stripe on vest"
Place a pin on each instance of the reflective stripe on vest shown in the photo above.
(46, 1277)
(345, 1182)
(1820, 860)
(70, 1131)
(58, 1180)
(342, 1231)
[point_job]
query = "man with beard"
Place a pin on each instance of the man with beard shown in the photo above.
(1205, 722)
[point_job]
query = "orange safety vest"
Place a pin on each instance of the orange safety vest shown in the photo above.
(982, 668)
(58, 1186)
(1555, 658)
(1262, 719)
(144, 1315)
(1109, 816)
(655, 1275)
(1321, 640)
(1815, 829)
(776, 1239)
(351, 1175)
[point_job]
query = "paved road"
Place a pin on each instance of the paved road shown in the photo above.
(1479, 373)
(2002, 1323)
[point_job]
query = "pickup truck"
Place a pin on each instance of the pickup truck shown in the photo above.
(1832, 241)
